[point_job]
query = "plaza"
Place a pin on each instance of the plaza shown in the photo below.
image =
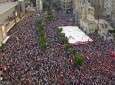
(59, 44)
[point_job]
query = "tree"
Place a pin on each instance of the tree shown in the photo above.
(78, 59)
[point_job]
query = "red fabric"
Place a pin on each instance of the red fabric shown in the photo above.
(113, 54)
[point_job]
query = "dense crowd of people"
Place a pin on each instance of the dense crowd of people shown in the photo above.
(23, 63)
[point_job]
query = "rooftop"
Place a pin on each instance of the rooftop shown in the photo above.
(6, 6)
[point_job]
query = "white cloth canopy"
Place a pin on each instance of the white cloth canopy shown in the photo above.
(75, 35)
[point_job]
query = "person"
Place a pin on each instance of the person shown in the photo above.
(113, 55)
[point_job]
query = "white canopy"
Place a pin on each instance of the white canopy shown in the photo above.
(75, 35)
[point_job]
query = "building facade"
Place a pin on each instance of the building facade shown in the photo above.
(8, 14)
(11, 11)
(103, 8)
(66, 6)
(90, 14)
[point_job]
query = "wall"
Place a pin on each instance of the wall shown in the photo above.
(113, 10)
(1, 36)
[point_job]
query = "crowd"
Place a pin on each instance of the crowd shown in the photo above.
(26, 64)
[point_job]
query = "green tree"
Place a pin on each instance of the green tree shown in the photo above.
(78, 59)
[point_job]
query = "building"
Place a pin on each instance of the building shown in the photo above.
(113, 12)
(84, 12)
(90, 20)
(99, 7)
(66, 6)
(103, 8)
(8, 17)
(11, 11)
(37, 4)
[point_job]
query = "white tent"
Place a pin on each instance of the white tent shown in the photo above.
(75, 35)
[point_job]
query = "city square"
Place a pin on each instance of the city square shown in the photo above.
(37, 49)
